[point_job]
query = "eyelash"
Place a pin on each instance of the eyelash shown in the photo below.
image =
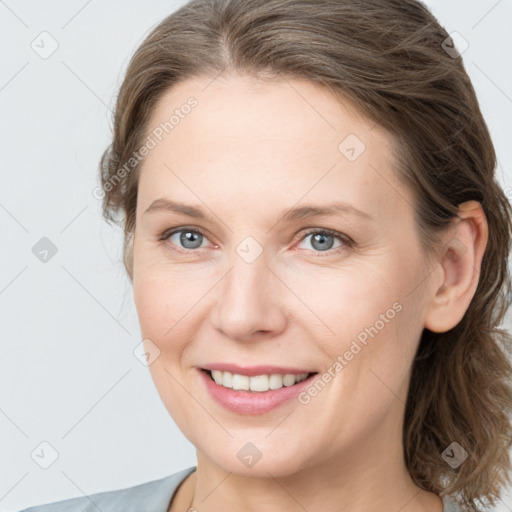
(346, 240)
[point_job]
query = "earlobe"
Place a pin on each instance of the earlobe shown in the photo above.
(128, 253)
(460, 261)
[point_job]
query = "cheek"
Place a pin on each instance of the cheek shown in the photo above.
(171, 306)
(342, 301)
(162, 312)
(166, 327)
(364, 313)
(152, 304)
(162, 291)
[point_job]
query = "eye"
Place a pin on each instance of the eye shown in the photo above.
(185, 239)
(323, 240)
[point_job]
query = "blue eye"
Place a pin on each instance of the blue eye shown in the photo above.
(189, 239)
(323, 240)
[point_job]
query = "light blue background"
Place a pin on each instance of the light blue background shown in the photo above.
(67, 372)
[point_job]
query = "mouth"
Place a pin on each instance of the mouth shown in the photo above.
(256, 383)
(255, 394)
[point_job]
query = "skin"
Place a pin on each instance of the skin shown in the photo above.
(246, 154)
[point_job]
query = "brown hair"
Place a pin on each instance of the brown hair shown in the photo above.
(388, 58)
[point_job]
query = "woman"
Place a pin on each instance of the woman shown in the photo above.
(318, 250)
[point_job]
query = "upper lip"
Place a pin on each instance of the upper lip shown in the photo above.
(251, 371)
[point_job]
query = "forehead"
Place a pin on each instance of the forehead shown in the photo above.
(254, 110)
(251, 138)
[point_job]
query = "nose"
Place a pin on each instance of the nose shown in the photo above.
(249, 302)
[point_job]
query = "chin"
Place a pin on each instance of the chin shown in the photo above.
(257, 460)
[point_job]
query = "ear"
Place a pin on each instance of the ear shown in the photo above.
(460, 262)
(128, 253)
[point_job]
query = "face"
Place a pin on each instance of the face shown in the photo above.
(223, 279)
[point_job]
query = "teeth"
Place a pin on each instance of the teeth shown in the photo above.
(258, 383)
(240, 382)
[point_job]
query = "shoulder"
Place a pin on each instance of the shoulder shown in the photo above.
(153, 496)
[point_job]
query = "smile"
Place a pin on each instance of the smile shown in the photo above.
(256, 383)
(254, 394)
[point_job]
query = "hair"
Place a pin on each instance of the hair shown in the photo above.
(388, 58)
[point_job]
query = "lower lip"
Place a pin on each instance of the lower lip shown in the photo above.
(252, 402)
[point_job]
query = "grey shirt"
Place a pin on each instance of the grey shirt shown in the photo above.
(154, 496)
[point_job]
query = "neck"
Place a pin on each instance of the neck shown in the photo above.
(363, 482)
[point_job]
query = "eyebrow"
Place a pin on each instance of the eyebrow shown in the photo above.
(297, 213)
